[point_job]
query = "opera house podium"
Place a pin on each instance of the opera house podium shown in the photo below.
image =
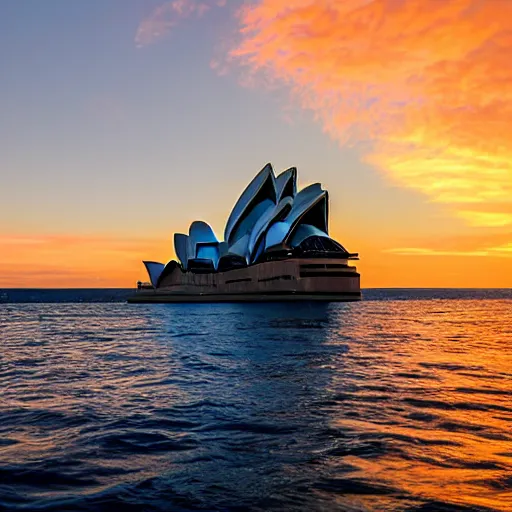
(276, 248)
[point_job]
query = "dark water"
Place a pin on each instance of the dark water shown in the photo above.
(395, 403)
(24, 295)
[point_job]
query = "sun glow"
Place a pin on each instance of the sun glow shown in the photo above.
(421, 89)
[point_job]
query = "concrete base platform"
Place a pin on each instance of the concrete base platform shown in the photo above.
(145, 297)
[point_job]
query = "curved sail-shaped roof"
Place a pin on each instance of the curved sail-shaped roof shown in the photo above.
(154, 269)
(260, 188)
(286, 184)
(251, 218)
(309, 207)
(201, 231)
(321, 244)
(270, 215)
(223, 248)
(169, 269)
(202, 243)
(305, 231)
(239, 248)
(273, 214)
(181, 248)
(276, 234)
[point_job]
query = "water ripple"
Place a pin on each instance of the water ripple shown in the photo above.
(385, 405)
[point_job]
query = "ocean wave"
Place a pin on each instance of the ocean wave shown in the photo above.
(380, 405)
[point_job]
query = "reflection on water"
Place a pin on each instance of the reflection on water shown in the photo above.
(381, 405)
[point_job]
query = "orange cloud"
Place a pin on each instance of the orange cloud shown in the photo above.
(504, 251)
(422, 251)
(426, 83)
(165, 17)
(487, 244)
(486, 218)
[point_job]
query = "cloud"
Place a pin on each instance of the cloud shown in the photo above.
(493, 219)
(422, 251)
(165, 17)
(504, 249)
(425, 84)
(422, 87)
(488, 245)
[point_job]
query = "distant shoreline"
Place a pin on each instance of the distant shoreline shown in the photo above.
(367, 288)
(121, 295)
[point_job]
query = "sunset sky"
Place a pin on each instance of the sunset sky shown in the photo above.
(122, 121)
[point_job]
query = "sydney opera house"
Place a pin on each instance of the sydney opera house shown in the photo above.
(276, 247)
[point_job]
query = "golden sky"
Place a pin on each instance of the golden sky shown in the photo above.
(420, 90)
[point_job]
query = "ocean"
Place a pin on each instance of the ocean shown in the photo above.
(401, 402)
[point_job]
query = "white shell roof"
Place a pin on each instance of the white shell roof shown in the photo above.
(276, 234)
(284, 180)
(269, 213)
(304, 231)
(181, 248)
(202, 242)
(154, 269)
(251, 191)
(279, 234)
(264, 222)
(240, 247)
(201, 231)
(304, 202)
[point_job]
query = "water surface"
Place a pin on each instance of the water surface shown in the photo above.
(395, 403)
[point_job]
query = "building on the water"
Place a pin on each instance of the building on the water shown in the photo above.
(276, 247)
